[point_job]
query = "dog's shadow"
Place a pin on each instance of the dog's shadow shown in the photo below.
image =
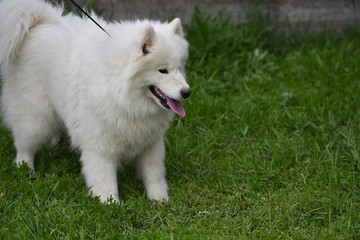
(58, 159)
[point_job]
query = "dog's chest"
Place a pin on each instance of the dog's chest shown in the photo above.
(130, 138)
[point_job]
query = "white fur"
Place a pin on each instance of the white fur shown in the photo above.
(65, 72)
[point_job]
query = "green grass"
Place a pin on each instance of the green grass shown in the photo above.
(269, 150)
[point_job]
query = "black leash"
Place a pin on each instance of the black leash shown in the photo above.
(84, 12)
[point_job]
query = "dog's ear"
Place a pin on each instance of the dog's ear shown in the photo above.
(176, 27)
(148, 39)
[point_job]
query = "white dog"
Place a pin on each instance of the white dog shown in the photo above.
(114, 94)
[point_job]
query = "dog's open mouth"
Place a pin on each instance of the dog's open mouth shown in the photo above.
(168, 102)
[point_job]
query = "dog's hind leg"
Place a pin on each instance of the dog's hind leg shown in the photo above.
(151, 169)
(31, 120)
(25, 150)
(30, 133)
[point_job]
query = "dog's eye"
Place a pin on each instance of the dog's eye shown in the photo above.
(163, 71)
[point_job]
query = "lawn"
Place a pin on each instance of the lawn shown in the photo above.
(270, 149)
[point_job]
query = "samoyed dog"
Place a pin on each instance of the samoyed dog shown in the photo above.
(115, 94)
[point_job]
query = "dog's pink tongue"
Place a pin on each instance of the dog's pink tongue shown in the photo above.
(176, 107)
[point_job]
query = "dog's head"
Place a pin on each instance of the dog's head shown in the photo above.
(162, 52)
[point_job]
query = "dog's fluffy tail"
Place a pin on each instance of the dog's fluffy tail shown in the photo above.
(17, 18)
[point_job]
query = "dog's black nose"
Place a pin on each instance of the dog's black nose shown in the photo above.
(185, 92)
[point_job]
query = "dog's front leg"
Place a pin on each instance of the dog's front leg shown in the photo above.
(151, 169)
(99, 171)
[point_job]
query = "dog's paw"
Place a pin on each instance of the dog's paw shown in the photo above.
(110, 200)
(24, 159)
(105, 198)
(160, 199)
(158, 192)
